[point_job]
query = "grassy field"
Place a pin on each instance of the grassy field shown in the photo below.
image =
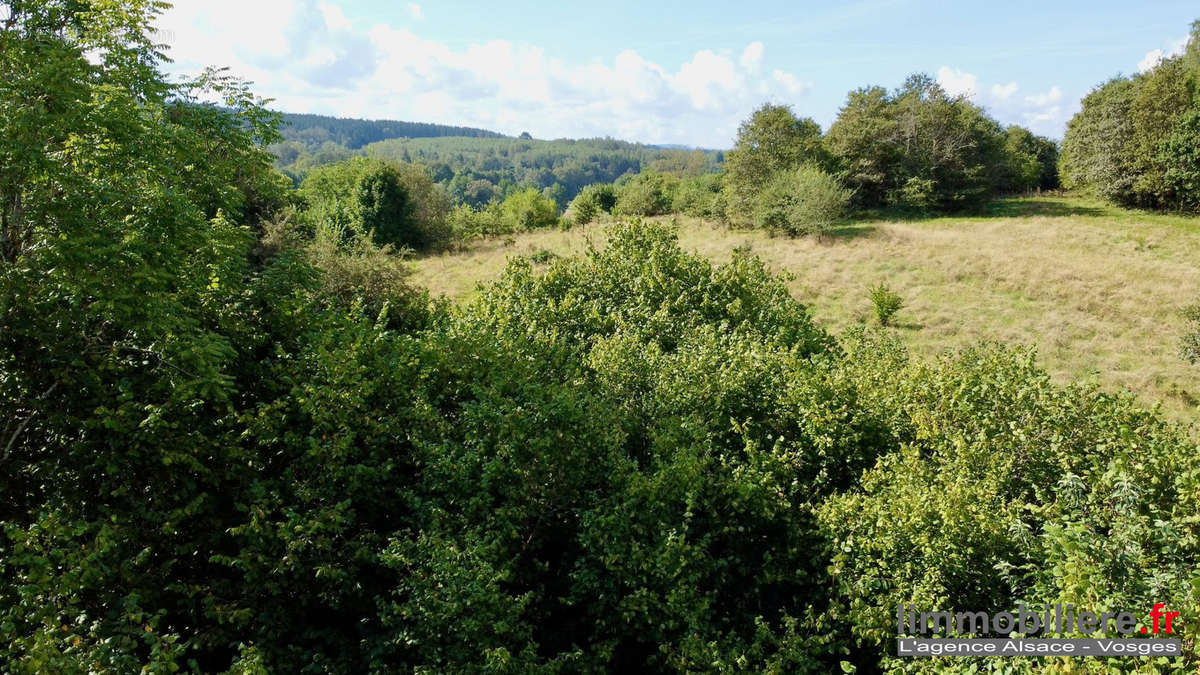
(1098, 290)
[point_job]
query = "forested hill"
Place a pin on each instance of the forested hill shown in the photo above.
(314, 130)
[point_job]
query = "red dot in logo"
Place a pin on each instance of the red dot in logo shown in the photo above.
(1144, 630)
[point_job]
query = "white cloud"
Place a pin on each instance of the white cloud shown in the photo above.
(790, 83)
(1042, 112)
(308, 56)
(415, 10)
(1150, 60)
(1041, 100)
(752, 56)
(1157, 56)
(957, 82)
(1004, 91)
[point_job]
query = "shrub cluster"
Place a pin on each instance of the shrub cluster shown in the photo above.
(395, 204)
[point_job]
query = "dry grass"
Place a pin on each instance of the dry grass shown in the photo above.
(1097, 290)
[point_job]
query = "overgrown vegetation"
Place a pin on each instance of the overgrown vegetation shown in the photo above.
(240, 441)
(1135, 140)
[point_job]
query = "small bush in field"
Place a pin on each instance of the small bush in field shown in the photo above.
(528, 210)
(592, 201)
(1190, 348)
(886, 303)
(646, 194)
(802, 201)
(701, 196)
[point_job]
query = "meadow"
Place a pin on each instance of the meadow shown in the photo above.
(1095, 288)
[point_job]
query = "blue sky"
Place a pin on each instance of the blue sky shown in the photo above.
(664, 72)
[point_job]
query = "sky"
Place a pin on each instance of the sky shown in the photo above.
(664, 72)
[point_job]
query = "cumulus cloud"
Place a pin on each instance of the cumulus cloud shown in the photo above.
(957, 82)
(1157, 56)
(309, 57)
(1003, 92)
(1043, 112)
(752, 56)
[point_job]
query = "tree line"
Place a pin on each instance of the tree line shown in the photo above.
(1136, 140)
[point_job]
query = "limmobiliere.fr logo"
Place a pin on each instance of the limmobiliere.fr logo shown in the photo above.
(1057, 619)
(959, 633)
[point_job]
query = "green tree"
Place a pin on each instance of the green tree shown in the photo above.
(771, 140)
(917, 147)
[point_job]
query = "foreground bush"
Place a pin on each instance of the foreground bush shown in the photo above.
(802, 201)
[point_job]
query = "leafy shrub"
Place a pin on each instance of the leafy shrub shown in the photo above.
(1189, 348)
(886, 303)
(467, 222)
(701, 196)
(645, 194)
(1009, 490)
(399, 205)
(770, 141)
(802, 201)
(527, 210)
(593, 200)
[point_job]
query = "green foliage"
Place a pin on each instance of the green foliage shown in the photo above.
(1031, 161)
(646, 194)
(1189, 348)
(804, 201)
(886, 303)
(237, 441)
(1133, 140)
(475, 170)
(918, 147)
(397, 205)
(1180, 155)
(592, 201)
(527, 210)
(1008, 490)
(772, 140)
(701, 196)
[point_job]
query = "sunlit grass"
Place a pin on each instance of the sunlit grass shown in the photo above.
(1098, 290)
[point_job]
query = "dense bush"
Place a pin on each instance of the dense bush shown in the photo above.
(527, 210)
(701, 196)
(592, 201)
(1133, 140)
(800, 201)
(1011, 490)
(770, 141)
(917, 147)
(397, 205)
(646, 194)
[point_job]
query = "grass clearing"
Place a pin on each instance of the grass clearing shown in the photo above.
(1098, 290)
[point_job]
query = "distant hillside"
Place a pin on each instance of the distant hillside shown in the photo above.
(312, 131)
(477, 170)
